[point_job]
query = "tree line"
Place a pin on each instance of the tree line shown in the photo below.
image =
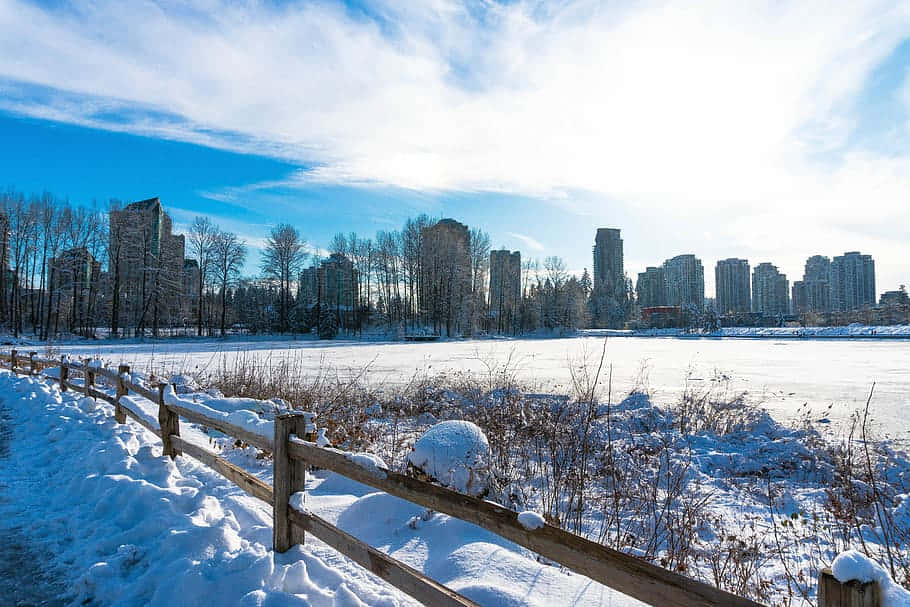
(114, 269)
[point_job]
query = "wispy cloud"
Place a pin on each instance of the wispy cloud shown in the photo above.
(739, 113)
(528, 241)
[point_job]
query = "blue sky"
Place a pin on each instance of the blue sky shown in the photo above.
(771, 131)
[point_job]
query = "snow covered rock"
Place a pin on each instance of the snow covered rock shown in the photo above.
(853, 565)
(455, 453)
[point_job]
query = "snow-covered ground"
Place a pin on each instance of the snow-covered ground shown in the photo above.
(781, 375)
(117, 524)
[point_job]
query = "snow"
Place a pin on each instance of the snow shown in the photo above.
(531, 520)
(477, 563)
(235, 411)
(784, 373)
(455, 453)
(122, 525)
(368, 461)
(852, 565)
(138, 528)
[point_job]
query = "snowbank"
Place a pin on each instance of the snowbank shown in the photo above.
(852, 565)
(455, 453)
(135, 528)
(140, 528)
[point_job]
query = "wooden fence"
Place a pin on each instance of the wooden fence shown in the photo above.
(292, 453)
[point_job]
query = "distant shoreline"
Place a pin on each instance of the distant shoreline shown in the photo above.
(896, 332)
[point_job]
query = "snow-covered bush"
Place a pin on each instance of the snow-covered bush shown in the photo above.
(455, 453)
(184, 384)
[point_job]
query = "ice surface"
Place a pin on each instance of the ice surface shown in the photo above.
(784, 373)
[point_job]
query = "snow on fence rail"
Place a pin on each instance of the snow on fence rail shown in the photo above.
(292, 452)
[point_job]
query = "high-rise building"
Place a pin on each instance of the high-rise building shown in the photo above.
(685, 281)
(651, 288)
(814, 294)
(334, 283)
(74, 277)
(895, 298)
(445, 276)
(799, 297)
(146, 266)
(609, 275)
(505, 288)
(770, 291)
(852, 281)
(731, 286)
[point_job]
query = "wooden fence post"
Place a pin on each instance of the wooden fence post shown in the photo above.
(64, 373)
(31, 363)
(12, 360)
(289, 476)
(89, 378)
(169, 422)
(832, 593)
(119, 413)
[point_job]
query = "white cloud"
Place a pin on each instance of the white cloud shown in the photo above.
(528, 241)
(736, 114)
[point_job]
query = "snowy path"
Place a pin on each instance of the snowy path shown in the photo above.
(121, 525)
(23, 581)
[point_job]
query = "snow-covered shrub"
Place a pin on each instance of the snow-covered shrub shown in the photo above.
(184, 384)
(455, 453)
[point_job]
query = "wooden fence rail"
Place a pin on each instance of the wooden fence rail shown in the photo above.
(292, 453)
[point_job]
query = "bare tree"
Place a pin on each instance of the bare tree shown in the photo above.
(228, 253)
(282, 260)
(201, 241)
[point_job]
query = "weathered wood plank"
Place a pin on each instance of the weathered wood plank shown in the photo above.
(625, 573)
(103, 396)
(257, 440)
(289, 476)
(107, 373)
(243, 479)
(141, 420)
(403, 577)
(142, 391)
(832, 593)
(170, 424)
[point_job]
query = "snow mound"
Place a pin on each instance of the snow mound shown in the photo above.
(531, 520)
(87, 404)
(852, 565)
(184, 384)
(455, 453)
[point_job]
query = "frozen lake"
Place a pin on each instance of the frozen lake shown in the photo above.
(781, 375)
